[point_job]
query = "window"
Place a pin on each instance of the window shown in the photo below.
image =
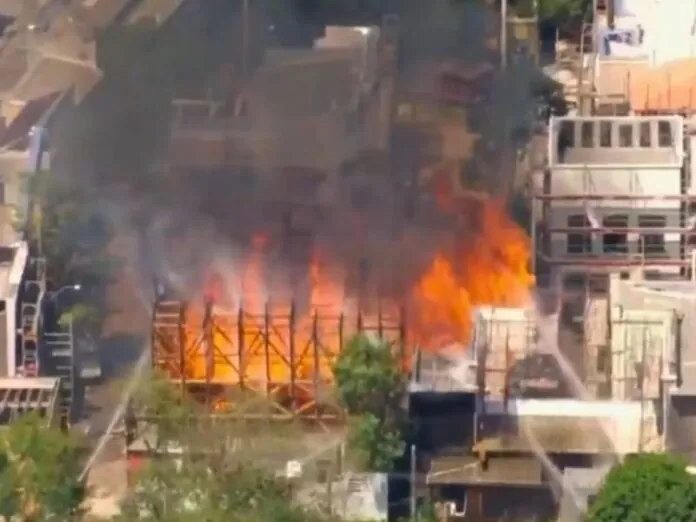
(652, 244)
(605, 134)
(587, 134)
(615, 242)
(626, 135)
(664, 134)
(579, 242)
(645, 139)
(566, 139)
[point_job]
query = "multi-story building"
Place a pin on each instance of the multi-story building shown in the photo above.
(615, 195)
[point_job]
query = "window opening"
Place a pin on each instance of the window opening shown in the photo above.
(605, 134)
(615, 242)
(664, 134)
(626, 135)
(645, 139)
(579, 242)
(652, 244)
(587, 134)
(566, 139)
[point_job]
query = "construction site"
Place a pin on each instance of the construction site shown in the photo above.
(308, 194)
(537, 357)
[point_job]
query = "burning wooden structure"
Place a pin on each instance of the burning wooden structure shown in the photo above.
(276, 352)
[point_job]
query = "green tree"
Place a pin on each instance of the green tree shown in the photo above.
(226, 469)
(371, 387)
(39, 474)
(646, 488)
(65, 227)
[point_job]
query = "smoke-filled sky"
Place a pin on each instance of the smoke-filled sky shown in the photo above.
(379, 224)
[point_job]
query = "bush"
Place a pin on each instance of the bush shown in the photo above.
(646, 488)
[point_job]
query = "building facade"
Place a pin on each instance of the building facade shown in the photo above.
(615, 195)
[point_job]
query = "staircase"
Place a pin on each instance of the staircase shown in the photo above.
(59, 349)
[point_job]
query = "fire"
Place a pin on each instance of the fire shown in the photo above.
(257, 354)
(489, 266)
(258, 345)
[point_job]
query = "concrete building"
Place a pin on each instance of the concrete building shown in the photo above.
(13, 265)
(615, 195)
(22, 395)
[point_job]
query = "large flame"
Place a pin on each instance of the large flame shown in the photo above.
(489, 266)
(250, 340)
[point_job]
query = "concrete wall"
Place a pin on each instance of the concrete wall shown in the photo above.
(681, 428)
(650, 164)
(667, 25)
(678, 299)
(502, 336)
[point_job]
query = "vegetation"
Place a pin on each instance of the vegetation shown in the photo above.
(646, 488)
(371, 387)
(39, 470)
(228, 470)
(66, 229)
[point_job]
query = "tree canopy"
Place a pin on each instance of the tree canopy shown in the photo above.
(39, 469)
(227, 469)
(371, 387)
(646, 488)
(66, 228)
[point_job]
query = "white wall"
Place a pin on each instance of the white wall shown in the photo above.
(589, 168)
(14, 280)
(667, 24)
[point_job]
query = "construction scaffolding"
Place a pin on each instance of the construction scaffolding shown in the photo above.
(31, 316)
(273, 353)
(617, 194)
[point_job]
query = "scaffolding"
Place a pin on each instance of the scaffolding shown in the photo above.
(30, 316)
(274, 353)
(58, 351)
(616, 195)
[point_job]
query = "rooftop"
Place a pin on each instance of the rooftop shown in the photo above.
(20, 395)
(13, 260)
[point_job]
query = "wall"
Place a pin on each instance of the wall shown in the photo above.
(681, 428)
(618, 156)
(3, 340)
(667, 26)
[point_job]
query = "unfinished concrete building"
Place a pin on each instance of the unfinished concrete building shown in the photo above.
(506, 423)
(303, 117)
(615, 195)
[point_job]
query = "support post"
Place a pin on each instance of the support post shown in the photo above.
(291, 347)
(413, 499)
(240, 344)
(315, 354)
(182, 348)
(266, 347)
(503, 34)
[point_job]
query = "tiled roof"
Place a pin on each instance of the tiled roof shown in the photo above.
(669, 88)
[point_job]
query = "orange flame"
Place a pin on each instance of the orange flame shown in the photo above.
(489, 267)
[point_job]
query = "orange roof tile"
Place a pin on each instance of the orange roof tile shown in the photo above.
(668, 88)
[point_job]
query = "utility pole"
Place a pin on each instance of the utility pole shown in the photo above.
(245, 38)
(413, 510)
(503, 34)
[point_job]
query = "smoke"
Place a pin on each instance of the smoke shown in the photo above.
(371, 221)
